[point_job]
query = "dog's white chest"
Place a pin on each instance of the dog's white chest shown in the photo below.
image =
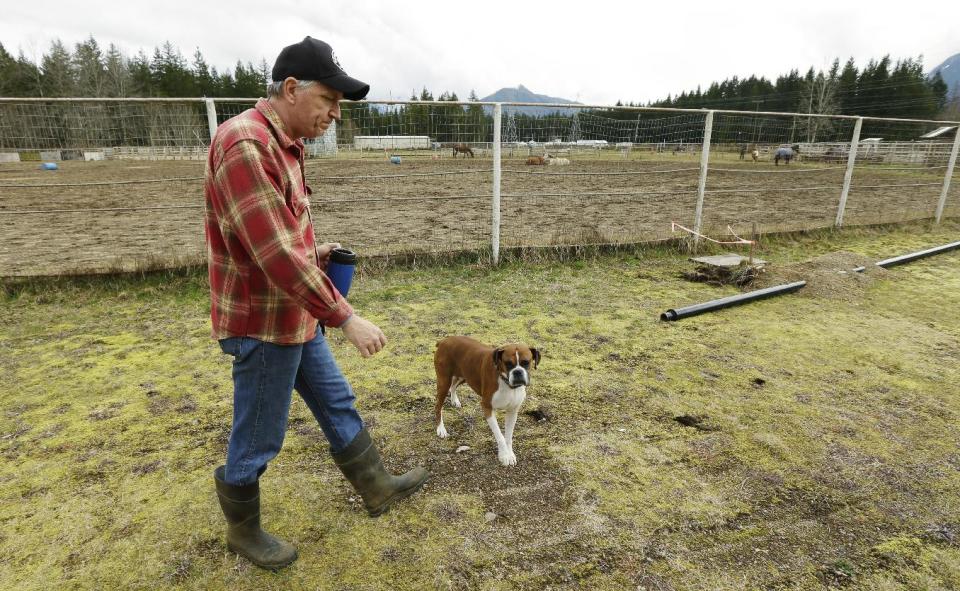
(507, 398)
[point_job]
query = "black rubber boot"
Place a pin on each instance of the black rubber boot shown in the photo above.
(360, 463)
(241, 507)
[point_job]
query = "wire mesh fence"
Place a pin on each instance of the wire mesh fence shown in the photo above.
(408, 177)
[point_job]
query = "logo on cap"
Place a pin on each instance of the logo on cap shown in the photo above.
(336, 62)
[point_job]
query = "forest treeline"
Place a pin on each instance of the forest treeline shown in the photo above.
(881, 88)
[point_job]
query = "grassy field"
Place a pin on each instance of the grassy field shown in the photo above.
(803, 442)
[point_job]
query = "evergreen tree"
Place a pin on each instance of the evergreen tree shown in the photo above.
(266, 74)
(18, 77)
(475, 119)
(424, 116)
(57, 76)
(89, 68)
(847, 88)
(169, 73)
(248, 81)
(939, 92)
(225, 83)
(205, 81)
(141, 77)
(117, 72)
(8, 73)
(29, 78)
(872, 88)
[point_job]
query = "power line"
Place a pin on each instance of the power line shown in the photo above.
(784, 96)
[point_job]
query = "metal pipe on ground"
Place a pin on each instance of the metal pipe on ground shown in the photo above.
(727, 302)
(909, 258)
(686, 312)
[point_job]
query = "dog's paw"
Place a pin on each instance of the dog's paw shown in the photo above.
(507, 458)
(442, 431)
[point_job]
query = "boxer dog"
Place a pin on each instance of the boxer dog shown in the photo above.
(500, 377)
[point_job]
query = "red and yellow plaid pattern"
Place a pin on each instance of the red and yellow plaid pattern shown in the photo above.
(265, 280)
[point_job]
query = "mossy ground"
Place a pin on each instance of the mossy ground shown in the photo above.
(817, 446)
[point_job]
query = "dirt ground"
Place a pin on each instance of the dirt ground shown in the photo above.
(154, 209)
(830, 276)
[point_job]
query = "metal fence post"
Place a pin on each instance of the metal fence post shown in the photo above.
(704, 165)
(211, 118)
(848, 175)
(495, 220)
(946, 179)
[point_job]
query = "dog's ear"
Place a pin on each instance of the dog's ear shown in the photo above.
(497, 355)
(536, 357)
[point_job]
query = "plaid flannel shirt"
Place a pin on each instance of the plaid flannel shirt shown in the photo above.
(265, 278)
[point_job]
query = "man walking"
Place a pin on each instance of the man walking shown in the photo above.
(271, 300)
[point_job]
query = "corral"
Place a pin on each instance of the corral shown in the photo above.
(798, 443)
(117, 214)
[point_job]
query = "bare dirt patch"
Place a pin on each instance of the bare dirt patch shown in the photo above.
(151, 213)
(830, 276)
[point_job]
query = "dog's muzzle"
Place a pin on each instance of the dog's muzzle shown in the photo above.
(518, 377)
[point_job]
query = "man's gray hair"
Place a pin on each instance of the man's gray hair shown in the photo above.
(274, 88)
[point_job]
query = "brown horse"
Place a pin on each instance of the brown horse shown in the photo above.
(464, 148)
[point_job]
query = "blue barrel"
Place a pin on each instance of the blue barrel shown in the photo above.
(49, 166)
(340, 269)
(395, 159)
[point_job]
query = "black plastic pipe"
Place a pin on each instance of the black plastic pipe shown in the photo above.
(730, 301)
(908, 258)
(791, 287)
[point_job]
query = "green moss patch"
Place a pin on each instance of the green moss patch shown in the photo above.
(796, 443)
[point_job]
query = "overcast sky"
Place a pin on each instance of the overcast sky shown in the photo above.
(595, 52)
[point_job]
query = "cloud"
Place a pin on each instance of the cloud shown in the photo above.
(596, 53)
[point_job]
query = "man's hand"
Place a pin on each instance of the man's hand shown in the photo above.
(365, 335)
(323, 254)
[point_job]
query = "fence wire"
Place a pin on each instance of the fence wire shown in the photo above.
(418, 177)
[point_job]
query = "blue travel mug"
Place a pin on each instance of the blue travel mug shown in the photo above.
(340, 269)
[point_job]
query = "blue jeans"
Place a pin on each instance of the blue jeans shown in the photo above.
(264, 376)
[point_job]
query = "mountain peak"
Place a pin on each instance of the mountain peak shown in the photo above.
(950, 75)
(522, 94)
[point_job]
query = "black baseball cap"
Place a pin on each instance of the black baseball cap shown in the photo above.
(312, 59)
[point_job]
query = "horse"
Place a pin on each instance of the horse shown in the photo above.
(786, 153)
(834, 154)
(463, 148)
(536, 161)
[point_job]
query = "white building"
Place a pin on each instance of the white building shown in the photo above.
(392, 142)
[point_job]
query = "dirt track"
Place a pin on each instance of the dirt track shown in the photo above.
(592, 200)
